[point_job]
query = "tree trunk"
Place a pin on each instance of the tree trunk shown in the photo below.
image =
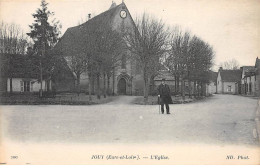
(78, 83)
(89, 86)
(108, 84)
(146, 83)
(178, 84)
(198, 89)
(182, 88)
(40, 79)
(201, 90)
(11, 85)
(175, 84)
(113, 81)
(98, 85)
(105, 90)
(194, 88)
(189, 83)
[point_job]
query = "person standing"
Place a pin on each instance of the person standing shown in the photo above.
(164, 94)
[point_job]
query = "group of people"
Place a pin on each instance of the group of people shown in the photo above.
(164, 96)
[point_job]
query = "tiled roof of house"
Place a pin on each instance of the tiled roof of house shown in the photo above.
(22, 66)
(73, 39)
(17, 66)
(230, 75)
(213, 76)
(248, 70)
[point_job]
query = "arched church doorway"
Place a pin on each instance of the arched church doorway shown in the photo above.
(121, 86)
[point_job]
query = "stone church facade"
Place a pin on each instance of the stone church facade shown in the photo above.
(127, 78)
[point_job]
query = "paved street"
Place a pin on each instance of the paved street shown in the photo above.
(221, 119)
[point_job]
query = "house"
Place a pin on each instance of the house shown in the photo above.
(126, 78)
(169, 80)
(19, 76)
(211, 87)
(228, 81)
(248, 80)
(257, 77)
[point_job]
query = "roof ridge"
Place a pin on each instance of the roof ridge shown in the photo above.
(102, 13)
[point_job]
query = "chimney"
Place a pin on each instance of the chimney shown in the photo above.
(89, 16)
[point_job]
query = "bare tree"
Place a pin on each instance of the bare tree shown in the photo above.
(147, 43)
(12, 39)
(177, 62)
(231, 64)
(189, 58)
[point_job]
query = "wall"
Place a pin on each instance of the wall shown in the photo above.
(225, 87)
(16, 83)
(219, 84)
(257, 83)
(211, 88)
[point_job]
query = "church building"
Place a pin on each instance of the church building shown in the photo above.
(127, 78)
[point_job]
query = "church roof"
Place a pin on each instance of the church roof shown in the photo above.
(72, 40)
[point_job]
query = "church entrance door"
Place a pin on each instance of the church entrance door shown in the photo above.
(121, 86)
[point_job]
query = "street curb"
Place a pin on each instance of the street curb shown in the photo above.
(257, 120)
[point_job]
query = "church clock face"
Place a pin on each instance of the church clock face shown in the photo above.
(123, 14)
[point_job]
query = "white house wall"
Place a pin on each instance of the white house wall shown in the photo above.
(211, 88)
(233, 87)
(219, 83)
(16, 83)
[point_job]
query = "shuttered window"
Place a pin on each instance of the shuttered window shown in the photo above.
(21, 85)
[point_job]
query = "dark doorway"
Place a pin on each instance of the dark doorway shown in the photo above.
(121, 86)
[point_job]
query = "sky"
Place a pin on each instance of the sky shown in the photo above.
(232, 27)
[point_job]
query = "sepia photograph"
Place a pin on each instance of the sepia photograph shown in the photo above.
(129, 82)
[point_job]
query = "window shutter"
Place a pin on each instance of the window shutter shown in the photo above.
(21, 84)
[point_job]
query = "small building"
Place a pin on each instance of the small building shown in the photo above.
(228, 81)
(257, 77)
(248, 80)
(19, 76)
(169, 80)
(211, 87)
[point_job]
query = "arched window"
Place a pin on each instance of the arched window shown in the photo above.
(123, 65)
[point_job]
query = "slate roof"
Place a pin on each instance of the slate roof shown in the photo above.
(17, 66)
(230, 75)
(73, 39)
(249, 70)
(213, 76)
(22, 66)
